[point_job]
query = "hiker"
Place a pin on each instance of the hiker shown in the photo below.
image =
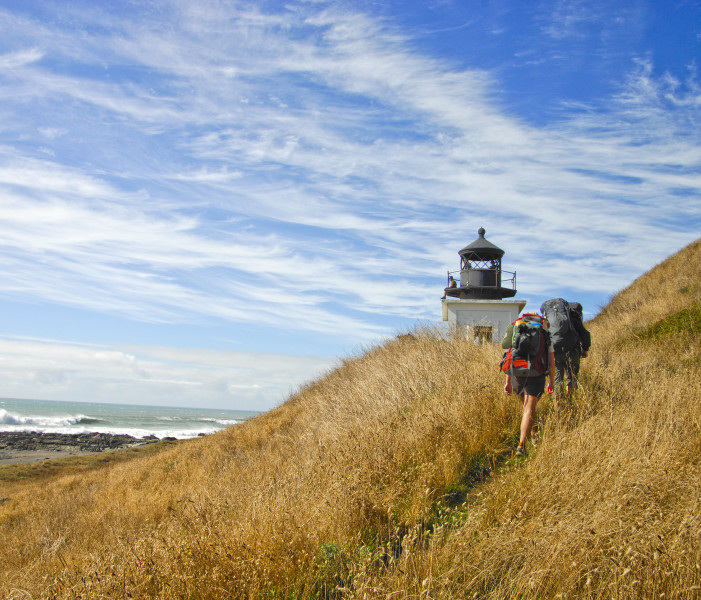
(451, 284)
(528, 359)
(571, 342)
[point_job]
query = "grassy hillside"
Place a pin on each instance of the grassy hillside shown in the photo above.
(393, 477)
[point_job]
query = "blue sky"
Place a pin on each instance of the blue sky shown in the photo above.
(210, 203)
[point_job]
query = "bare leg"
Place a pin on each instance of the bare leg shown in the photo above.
(529, 404)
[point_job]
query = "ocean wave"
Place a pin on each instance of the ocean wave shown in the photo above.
(219, 421)
(137, 421)
(77, 424)
(206, 420)
(227, 422)
(8, 418)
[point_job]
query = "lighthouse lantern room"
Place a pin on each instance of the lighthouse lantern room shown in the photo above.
(481, 302)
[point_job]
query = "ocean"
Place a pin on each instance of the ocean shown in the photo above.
(50, 416)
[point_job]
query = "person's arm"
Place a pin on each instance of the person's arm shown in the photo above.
(584, 335)
(551, 373)
(586, 341)
(551, 366)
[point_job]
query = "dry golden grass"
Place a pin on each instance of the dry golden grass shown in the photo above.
(346, 465)
(610, 504)
(355, 487)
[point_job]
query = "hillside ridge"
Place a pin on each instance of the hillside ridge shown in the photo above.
(372, 482)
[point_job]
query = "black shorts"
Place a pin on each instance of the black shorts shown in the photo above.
(533, 386)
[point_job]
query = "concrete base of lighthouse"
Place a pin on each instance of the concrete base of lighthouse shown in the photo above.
(485, 320)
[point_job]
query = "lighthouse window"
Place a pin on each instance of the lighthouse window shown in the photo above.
(482, 264)
(484, 333)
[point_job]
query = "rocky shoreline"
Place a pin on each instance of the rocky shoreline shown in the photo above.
(16, 446)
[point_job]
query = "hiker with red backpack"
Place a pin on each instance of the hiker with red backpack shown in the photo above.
(571, 342)
(528, 359)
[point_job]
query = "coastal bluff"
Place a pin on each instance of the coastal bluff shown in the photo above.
(393, 476)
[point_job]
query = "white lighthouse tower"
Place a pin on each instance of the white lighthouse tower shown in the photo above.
(479, 302)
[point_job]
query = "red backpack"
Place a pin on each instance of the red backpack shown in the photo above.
(528, 355)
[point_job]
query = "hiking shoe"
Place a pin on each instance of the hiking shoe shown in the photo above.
(521, 450)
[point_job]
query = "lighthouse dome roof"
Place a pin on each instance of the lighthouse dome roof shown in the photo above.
(481, 248)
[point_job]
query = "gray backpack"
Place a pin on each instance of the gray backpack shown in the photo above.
(562, 332)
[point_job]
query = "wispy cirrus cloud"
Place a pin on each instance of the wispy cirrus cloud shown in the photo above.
(307, 168)
(22, 58)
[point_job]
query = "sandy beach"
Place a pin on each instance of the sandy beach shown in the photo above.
(26, 447)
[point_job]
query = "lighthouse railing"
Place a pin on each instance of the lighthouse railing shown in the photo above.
(504, 279)
(512, 280)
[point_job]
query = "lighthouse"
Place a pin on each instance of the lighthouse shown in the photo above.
(483, 301)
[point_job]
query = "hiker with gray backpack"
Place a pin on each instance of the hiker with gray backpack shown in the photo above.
(571, 342)
(527, 361)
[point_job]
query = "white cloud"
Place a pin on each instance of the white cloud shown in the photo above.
(310, 170)
(153, 375)
(21, 58)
